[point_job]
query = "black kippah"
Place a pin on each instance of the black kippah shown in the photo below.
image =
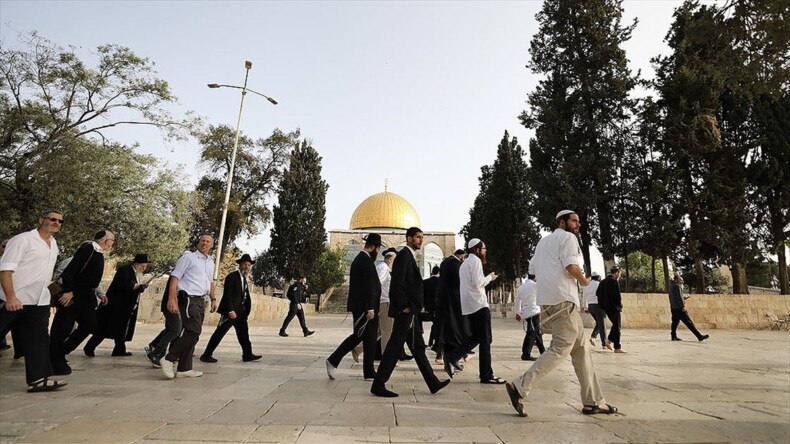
(100, 234)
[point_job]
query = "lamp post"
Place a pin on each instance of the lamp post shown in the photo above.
(244, 90)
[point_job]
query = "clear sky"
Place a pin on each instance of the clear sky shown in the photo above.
(419, 93)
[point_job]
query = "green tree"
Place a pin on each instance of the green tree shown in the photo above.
(257, 173)
(580, 113)
(264, 271)
(642, 271)
(298, 233)
(327, 271)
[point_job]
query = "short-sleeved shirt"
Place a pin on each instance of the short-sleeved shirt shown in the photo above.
(32, 261)
(553, 253)
(194, 272)
(383, 271)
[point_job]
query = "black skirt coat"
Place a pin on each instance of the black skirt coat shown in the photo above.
(117, 319)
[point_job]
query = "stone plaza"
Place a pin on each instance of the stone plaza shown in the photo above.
(735, 387)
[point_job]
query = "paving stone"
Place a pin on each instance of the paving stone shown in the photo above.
(343, 434)
(204, 432)
(95, 430)
(443, 434)
(535, 431)
(276, 433)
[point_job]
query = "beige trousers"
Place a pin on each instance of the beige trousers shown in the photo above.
(567, 338)
(385, 327)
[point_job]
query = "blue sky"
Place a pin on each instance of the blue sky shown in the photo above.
(419, 93)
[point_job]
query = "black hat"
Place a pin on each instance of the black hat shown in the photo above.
(435, 270)
(614, 269)
(141, 258)
(459, 252)
(245, 258)
(373, 239)
(99, 234)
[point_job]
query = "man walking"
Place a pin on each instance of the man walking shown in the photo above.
(557, 267)
(405, 303)
(591, 305)
(474, 303)
(679, 314)
(234, 308)
(25, 271)
(455, 326)
(364, 294)
(431, 294)
(297, 295)
(610, 299)
(191, 282)
(527, 311)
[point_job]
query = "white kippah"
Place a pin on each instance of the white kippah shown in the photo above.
(563, 213)
(473, 243)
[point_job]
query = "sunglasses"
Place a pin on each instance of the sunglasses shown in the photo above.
(55, 219)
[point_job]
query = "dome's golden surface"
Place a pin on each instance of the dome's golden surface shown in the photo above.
(384, 210)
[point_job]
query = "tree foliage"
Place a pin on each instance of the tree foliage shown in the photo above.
(327, 271)
(264, 271)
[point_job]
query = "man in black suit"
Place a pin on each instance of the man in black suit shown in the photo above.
(455, 326)
(406, 301)
(610, 299)
(364, 294)
(430, 295)
(297, 295)
(234, 310)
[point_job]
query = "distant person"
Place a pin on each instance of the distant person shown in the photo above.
(297, 295)
(117, 319)
(556, 265)
(25, 272)
(78, 303)
(679, 314)
(610, 299)
(590, 301)
(527, 311)
(234, 309)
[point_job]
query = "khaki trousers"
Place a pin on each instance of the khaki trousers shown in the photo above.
(385, 327)
(567, 338)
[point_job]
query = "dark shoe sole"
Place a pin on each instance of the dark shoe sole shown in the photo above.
(207, 359)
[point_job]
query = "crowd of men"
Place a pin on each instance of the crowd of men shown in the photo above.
(389, 302)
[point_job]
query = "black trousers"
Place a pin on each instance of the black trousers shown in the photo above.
(192, 311)
(534, 336)
(480, 323)
(31, 324)
(680, 315)
(437, 334)
(165, 337)
(96, 340)
(293, 310)
(600, 322)
(614, 333)
(368, 340)
(404, 331)
(242, 329)
(63, 340)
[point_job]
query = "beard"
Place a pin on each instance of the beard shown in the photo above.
(483, 255)
(374, 254)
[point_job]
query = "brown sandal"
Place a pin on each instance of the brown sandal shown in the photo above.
(595, 410)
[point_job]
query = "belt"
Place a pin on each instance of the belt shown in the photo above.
(196, 295)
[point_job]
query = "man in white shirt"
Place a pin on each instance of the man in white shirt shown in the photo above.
(527, 311)
(25, 271)
(557, 267)
(474, 304)
(191, 282)
(590, 301)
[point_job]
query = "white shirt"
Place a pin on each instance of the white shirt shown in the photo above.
(473, 282)
(588, 295)
(553, 253)
(526, 303)
(384, 277)
(32, 262)
(194, 272)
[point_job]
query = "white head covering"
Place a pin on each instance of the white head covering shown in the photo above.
(473, 243)
(595, 274)
(563, 213)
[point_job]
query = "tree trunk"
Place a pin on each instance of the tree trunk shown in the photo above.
(653, 271)
(585, 237)
(700, 270)
(784, 286)
(739, 282)
(627, 280)
(665, 264)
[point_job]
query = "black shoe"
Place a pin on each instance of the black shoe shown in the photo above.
(703, 337)
(439, 386)
(308, 333)
(62, 371)
(283, 334)
(5, 347)
(448, 368)
(208, 359)
(89, 352)
(248, 358)
(382, 392)
(18, 355)
(153, 360)
(121, 353)
(528, 358)
(676, 339)
(406, 357)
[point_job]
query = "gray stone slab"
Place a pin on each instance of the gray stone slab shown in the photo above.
(204, 432)
(536, 431)
(286, 434)
(328, 413)
(343, 434)
(95, 430)
(443, 434)
(240, 411)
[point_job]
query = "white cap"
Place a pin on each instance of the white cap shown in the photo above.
(473, 243)
(563, 213)
(595, 274)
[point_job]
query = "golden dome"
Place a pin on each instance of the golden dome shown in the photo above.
(384, 210)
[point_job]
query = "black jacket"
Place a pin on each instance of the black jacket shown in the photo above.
(608, 293)
(430, 292)
(89, 277)
(676, 297)
(117, 319)
(364, 287)
(297, 293)
(406, 284)
(235, 297)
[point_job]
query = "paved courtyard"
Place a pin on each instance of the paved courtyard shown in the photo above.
(735, 387)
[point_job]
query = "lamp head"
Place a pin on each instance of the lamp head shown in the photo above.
(248, 64)
(213, 85)
(273, 102)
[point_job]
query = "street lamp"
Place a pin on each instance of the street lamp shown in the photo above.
(244, 90)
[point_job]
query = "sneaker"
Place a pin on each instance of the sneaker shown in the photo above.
(189, 374)
(169, 369)
(330, 370)
(207, 359)
(153, 360)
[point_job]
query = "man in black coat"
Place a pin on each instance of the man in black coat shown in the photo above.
(610, 299)
(116, 320)
(677, 303)
(364, 294)
(297, 295)
(455, 326)
(406, 302)
(430, 295)
(78, 302)
(234, 310)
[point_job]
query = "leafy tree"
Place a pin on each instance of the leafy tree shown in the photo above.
(580, 113)
(327, 271)
(264, 271)
(257, 173)
(49, 98)
(644, 277)
(298, 234)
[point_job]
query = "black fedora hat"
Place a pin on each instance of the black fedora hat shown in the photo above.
(373, 239)
(245, 258)
(141, 258)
